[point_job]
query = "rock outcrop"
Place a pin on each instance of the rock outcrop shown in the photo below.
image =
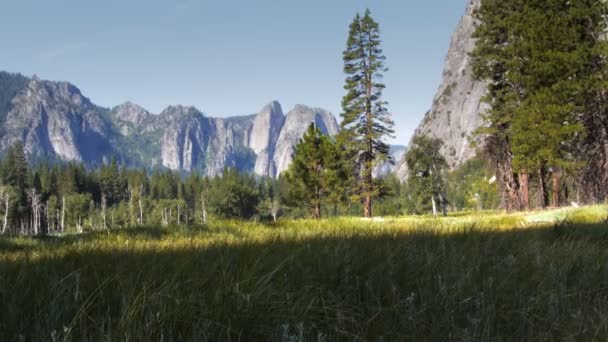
(54, 120)
(264, 136)
(296, 124)
(457, 107)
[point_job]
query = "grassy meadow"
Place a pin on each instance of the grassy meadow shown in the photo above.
(490, 276)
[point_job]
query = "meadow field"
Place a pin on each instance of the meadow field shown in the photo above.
(490, 276)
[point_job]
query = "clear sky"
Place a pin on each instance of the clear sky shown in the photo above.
(227, 57)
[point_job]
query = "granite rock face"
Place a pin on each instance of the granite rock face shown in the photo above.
(295, 126)
(457, 108)
(264, 136)
(54, 120)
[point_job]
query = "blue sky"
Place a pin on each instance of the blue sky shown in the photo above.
(226, 57)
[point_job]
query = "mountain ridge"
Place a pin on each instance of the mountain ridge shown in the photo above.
(55, 120)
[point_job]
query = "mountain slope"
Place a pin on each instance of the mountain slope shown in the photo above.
(55, 121)
(457, 107)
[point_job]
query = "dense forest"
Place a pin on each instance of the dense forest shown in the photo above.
(46, 198)
(547, 126)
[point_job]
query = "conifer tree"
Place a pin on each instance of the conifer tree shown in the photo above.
(366, 122)
(427, 172)
(491, 59)
(537, 56)
(307, 173)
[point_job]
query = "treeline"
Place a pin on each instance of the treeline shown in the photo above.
(546, 132)
(48, 198)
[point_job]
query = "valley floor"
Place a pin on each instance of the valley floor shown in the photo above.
(490, 276)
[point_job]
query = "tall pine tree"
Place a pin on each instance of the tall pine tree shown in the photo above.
(491, 60)
(366, 122)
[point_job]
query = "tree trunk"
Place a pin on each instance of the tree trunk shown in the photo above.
(203, 208)
(367, 206)
(104, 204)
(555, 195)
(369, 157)
(141, 208)
(274, 210)
(524, 189)
(444, 205)
(63, 214)
(46, 218)
(6, 208)
(542, 196)
(510, 197)
(317, 208)
(434, 206)
(604, 181)
(141, 213)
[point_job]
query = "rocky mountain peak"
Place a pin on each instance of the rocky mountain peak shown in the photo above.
(264, 135)
(266, 127)
(131, 113)
(179, 110)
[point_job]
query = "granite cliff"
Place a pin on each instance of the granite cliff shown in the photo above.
(54, 120)
(457, 108)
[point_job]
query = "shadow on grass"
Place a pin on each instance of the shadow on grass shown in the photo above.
(9, 245)
(534, 284)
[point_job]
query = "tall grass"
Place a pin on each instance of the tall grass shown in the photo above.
(468, 277)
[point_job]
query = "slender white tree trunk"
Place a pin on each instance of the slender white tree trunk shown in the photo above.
(274, 210)
(6, 208)
(204, 208)
(36, 206)
(63, 214)
(104, 204)
(434, 205)
(141, 213)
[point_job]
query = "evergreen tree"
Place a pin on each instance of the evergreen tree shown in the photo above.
(339, 177)
(233, 195)
(16, 168)
(538, 56)
(307, 173)
(16, 173)
(366, 121)
(491, 61)
(428, 172)
(594, 147)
